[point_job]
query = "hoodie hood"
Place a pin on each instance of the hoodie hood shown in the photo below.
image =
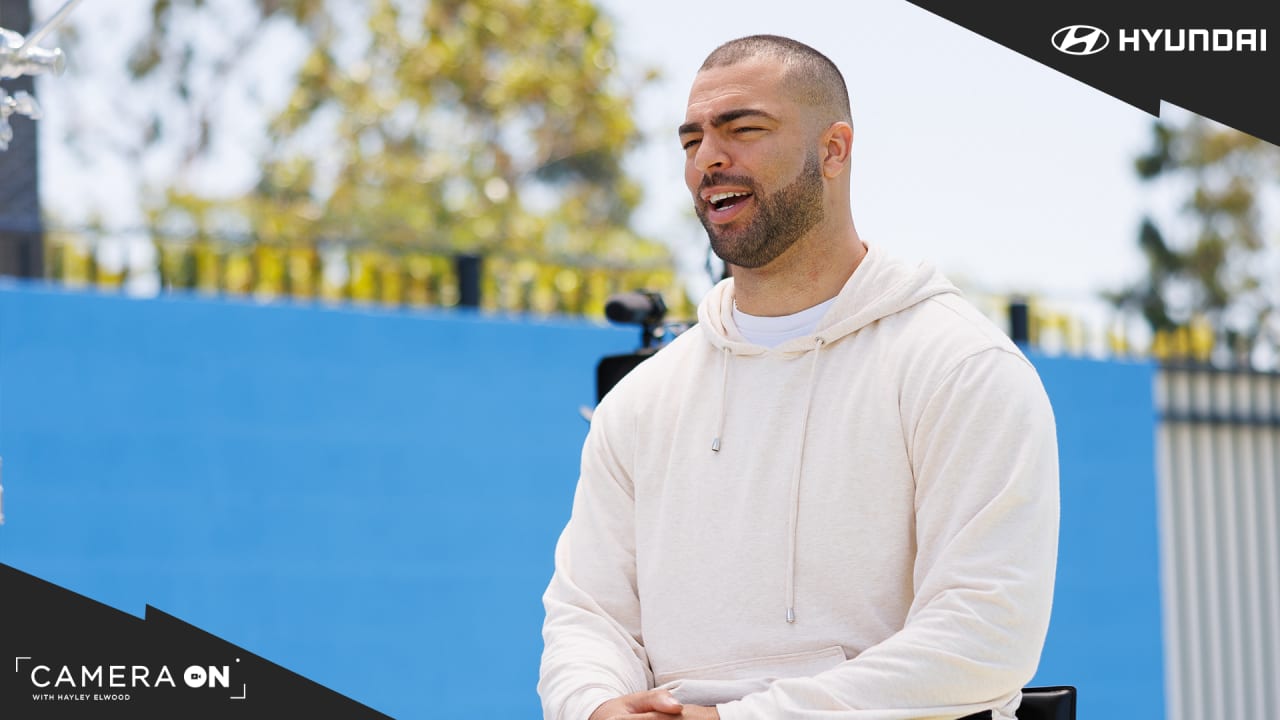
(878, 288)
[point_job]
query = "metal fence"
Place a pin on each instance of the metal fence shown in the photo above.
(1219, 487)
(350, 272)
(149, 261)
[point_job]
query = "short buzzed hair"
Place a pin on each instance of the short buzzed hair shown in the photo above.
(811, 75)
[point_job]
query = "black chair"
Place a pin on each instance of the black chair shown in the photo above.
(1042, 703)
(1048, 703)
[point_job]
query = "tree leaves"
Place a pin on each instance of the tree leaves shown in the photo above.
(1218, 262)
(450, 125)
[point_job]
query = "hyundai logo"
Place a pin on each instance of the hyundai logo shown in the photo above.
(1080, 40)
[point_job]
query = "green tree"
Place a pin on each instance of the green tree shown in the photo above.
(495, 127)
(1217, 260)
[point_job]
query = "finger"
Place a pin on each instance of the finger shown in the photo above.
(656, 700)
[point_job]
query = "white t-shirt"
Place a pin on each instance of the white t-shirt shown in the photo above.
(773, 331)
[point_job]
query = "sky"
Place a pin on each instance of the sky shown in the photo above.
(1009, 176)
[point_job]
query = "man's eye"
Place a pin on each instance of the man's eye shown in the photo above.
(690, 143)
(747, 129)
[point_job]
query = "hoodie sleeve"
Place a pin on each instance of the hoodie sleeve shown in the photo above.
(984, 455)
(593, 650)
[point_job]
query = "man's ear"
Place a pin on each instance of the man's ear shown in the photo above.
(837, 142)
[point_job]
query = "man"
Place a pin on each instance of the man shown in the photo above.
(836, 496)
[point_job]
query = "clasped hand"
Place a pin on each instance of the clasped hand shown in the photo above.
(652, 705)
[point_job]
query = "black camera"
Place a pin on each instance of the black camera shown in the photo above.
(638, 307)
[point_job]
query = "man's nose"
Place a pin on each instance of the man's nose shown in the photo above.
(710, 155)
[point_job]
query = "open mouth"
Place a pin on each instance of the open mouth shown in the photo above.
(726, 200)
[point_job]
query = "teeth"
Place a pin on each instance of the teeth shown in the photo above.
(718, 197)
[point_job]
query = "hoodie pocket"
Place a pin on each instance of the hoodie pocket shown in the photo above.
(728, 681)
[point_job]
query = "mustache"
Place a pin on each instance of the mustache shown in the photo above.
(726, 179)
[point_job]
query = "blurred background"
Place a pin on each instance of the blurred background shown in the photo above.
(276, 272)
(341, 152)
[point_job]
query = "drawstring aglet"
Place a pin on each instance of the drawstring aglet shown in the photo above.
(715, 444)
(791, 615)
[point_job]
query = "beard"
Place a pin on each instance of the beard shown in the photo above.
(781, 218)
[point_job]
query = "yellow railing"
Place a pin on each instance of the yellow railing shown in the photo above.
(367, 275)
(360, 274)
(1059, 327)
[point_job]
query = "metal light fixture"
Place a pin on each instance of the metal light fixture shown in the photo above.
(20, 56)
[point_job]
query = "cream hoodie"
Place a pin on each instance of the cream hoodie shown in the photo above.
(857, 524)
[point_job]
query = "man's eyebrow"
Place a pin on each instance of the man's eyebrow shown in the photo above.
(727, 116)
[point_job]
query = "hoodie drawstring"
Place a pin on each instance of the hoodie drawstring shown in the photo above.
(724, 400)
(795, 487)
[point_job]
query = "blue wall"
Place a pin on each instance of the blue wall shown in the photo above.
(371, 498)
(1105, 634)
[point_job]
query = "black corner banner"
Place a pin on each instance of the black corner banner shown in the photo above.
(67, 656)
(1218, 59)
